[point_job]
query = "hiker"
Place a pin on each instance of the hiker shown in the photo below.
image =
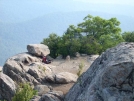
(45, 60)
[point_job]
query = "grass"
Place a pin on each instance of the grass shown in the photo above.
(81, 65)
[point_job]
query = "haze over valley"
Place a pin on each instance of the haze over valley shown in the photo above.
(25, 22)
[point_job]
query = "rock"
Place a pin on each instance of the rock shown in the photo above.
(25, 58)
(65, 77)
(34, 72)
(68, 58)
(77, 54)
(26, 68)
(42, 89)
(7, 87)
(62, 78)
(110, 77)
(83, 55)
(1, 69)
(50, 78)
(59, 57)
(36, 98)
(38, 49)
(93, 57)
(53, 96)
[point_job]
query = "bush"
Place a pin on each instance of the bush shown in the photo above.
(24, 93)
(81, 65)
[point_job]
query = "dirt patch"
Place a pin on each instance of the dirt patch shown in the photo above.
(72, 66)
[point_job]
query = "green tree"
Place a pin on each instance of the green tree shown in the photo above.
(24, 93)
(52, 43)
(97, 26)
(128, 36)
(89, 45)
(110, 40)
(92, 36)
(68, 45)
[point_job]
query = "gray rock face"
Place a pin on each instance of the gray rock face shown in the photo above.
(38, 49)
(110, 77)
(26, 68)
(7, 87)
(53, 96)
(42, 89)
(35, 98)
(65, 77)
(62, 78)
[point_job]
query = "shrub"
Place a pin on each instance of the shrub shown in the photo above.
(24, 93)
(81, 65)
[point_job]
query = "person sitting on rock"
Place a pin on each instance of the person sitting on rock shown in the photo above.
(45, 60)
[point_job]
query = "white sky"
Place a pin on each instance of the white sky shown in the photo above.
(121, 2)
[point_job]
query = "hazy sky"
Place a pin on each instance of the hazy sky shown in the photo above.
(21, 10)
(121, 2)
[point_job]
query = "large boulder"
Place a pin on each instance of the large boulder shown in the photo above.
(7, 87)
(65, 77)
(62, 78)
(110, 77)
(52, 96)
(38, 49)
(42, 89)
(26, 68)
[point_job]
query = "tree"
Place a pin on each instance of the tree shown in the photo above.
(96, 26)
(52, 43)
(110, 40)
(68, 45)
(128, 36)
(92, 36)
(89, 45)
(74, 32)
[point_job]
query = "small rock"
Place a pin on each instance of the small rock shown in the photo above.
(42, 89)
(65, 77)
(53, 96)
(68, 58)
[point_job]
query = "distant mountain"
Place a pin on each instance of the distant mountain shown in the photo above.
(14, 37)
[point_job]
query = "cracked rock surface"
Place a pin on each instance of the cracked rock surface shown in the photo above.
(110, 77)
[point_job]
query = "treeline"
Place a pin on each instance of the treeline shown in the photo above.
(93, 36)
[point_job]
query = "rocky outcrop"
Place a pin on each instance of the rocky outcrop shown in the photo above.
(7, 87)
(52, 96)
(65, 77)
(42, 89)
(38, 49)
(62, 78)
(26, 68)
(110, 77)
(48, 79)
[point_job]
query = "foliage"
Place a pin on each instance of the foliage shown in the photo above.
(93, 36)
(128, 36)
(108, 41)
(81, 65)
(89, 45)
(24, 93)
(52, 43)
(96, 26)
(68, 45)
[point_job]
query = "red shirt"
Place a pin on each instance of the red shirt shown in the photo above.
(44, 59)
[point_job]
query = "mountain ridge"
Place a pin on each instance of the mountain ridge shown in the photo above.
(15, 36)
